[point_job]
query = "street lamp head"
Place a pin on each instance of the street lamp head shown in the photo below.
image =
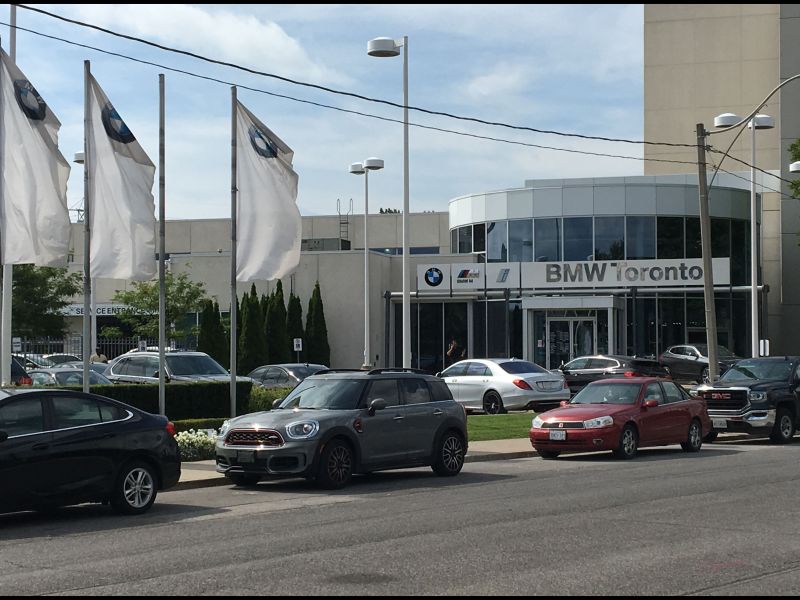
(726, 120)
(762, 122)
(373, 164)
(357, 169)
(78, 159)
(794, 167)
(382, 47)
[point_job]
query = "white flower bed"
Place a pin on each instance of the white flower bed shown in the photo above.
(196, 445)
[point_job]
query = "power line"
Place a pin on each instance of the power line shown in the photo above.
(341, 92)
(748, 165)
(747, 179)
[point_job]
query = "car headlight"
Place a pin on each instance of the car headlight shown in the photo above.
(224, 428)
(302, 430)
(757, 396)
(598, 422)
(537, 423)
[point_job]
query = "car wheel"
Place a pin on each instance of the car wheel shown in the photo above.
(783, 430)
(449, 457)
(710, 437)
(243, 479)
(548, 454)
(493, 404)
(628, 443)
(694, 440)
(135, 489)
(704, 376)
(335, 465)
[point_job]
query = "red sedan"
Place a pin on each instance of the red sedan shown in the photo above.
(622, 415)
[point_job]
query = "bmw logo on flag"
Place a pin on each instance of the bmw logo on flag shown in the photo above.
(262, 144)
(29, 100)
(433, 277)
(115, 127)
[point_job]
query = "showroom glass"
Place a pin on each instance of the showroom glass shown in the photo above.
(547, 239)
(578, 244)
(520, 240)
(641, 238)
(609, 238)
(479, 238)
(497, 241)
(465, 239)
(608, 393)
(670, 237)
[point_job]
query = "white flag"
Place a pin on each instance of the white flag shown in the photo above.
(268, 221)
(34, 220)
(122, 210)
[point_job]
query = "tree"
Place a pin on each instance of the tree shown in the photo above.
(294, 324)
(389, 211)
(252, 343)
(319, 350)
(39, 296)
(794, 153)
(277, 336)
(212, 337)
(182, 297)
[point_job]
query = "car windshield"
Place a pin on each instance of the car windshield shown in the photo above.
(758, 369)
(608, 393)
(325, 394)
(76, 378)
(304, 371)
(516, 367)
(722, 351)
(194, 365)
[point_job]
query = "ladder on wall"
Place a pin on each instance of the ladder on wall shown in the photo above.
(344, 221)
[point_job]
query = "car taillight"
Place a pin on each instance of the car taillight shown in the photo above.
(522, 384)
(25, 380)
(566, 385)
(631, 374)
(171, 428)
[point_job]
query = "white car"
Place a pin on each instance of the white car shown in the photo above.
(495, 385)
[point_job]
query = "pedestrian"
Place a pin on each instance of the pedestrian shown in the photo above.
(98, 356)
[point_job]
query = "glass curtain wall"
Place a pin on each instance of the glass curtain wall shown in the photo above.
(497, 241)
(520, 240)
(547, 240)
(578, 239)
(641, 238)
(609, 238)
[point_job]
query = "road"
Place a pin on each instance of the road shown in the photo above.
(724, 521)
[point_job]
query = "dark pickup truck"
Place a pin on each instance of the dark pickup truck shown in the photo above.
(759, 396)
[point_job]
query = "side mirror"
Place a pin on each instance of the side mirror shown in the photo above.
(650, 403)
(375, 405)
(439, 374)
(3, 436)
(564, 403)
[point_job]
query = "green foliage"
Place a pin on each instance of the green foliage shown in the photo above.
(294, 325)
(182, 296)
(277, 336)
(263, 398)
(212, 338)
(39, 296)
(253, 342)
(389, 211)
(189, 424)
(111, 332)
(195, 445)
(319, 350)
(794, 154)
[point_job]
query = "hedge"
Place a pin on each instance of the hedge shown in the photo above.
(198, 424)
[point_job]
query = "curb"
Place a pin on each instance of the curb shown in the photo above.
(484, 457)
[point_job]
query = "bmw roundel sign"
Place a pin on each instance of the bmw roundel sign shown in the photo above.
(434, 277)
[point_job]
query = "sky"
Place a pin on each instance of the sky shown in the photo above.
(570, 68)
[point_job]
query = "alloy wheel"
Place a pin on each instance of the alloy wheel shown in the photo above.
(340, 465)
(453, 453)
(138, 487)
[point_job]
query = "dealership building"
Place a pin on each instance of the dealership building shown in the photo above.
(557, 268)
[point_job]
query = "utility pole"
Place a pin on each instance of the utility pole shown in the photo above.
(705, 239)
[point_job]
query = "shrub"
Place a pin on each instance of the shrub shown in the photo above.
(195, 445)
(262, 398)
(188, 424)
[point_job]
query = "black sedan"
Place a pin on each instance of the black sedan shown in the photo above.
(283, 375)
(581, 371)
(61, 447)
(690, 361)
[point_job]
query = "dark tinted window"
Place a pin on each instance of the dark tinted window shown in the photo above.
(386, 389)
(456, 370)
(331, 394)
(20, 417)
(415, 391)
(578, 244)
(16, 369)
(475, 369)
(547, 239)
(75, 412)
(520, 240)
(578, 363)
(521, 366)
(641, 237)
(609, 238)
(257, 373)
(121, 367)
(440, 391)
(136, 366)
(601, 363)
(193, 365)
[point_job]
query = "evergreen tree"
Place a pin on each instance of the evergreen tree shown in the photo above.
(222, 340)
(252, 350)
(205, 337)
(277, 336)
(294, 324)
(319, 350)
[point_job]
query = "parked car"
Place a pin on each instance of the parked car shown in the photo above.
(690, 361)
(283, 375)
(622, 415)
(585, 369)
(495, 385)
(58, 359)
(338, 423)
(96, 367)
(758, 396)
(19, 376)
(60, 447)
(142, 367)
(66, 376)
(33, 361)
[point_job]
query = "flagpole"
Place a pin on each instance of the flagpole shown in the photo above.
(87, 282)
(162, 285)
(8, 279)
(234, 297)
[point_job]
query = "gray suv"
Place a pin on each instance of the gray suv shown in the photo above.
(142, 367)
(337, 423)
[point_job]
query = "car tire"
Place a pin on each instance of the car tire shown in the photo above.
(628, 443)
(783, 430)
(243, 479)
(694, 439)
(703, 376)
(548, 454)
(135, 488)
(335, 465)
(448, 458)
(710, 437)
(493, 404)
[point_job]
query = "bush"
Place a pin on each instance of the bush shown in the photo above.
(195, 445)
(262, 398)
(189, 424)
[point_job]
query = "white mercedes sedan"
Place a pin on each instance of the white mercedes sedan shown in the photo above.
(495, 385)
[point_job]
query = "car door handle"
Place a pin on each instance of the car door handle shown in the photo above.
(398, 418)
(438, 412)
(40, 447)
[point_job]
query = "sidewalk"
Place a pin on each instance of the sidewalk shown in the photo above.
(202, 473)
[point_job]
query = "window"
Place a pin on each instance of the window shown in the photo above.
(196, 364)
(75, 412)
(440, 391)
(136, 367)
(653, 392)
(517, 367)
(22, 417)
(609, 238)
(547, 239)
(721, 238)
(465, 239)
(641, 238)
(386, 389)
(578, 363)
(602, 363)
(578, 244)
(121, 367)
(41, 379)
(110, 412)
(415, 391)
(670, 237)
(520, 240)
(497, 241)
(478, 370)
(672, 392)
(456, 370)
(479, 238)
(454, 241)
(258, 373)
(693, 244)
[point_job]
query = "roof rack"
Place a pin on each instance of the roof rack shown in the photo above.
(326, 371)
(396, 370)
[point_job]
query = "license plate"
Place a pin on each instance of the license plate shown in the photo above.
(245, 456)
(719, 423)
(558, 435)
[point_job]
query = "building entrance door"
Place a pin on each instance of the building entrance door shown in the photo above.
(568, 338)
